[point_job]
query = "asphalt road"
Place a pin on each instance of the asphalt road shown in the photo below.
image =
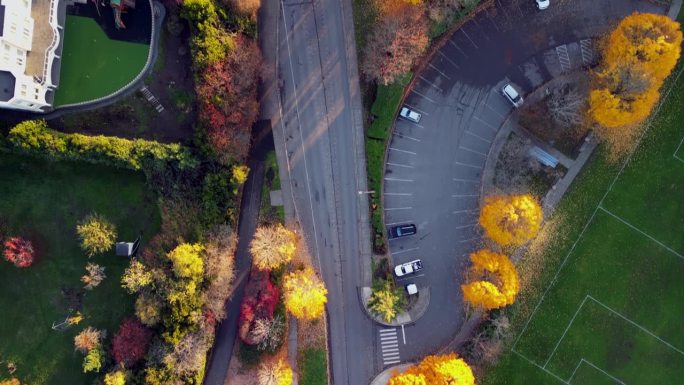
(319, 140)
(434, 168)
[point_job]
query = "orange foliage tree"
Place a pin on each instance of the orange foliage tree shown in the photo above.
(446, 369)
(305, 294)
(511, 220)
(637, 57)
(494, 281)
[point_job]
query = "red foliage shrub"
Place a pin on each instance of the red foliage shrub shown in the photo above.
(19, 251)
(260, 301)
(228, 100)
(131, 342)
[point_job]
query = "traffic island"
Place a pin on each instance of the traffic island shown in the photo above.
(415, 311)
(384, 377)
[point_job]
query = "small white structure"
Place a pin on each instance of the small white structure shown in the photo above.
(31, 40)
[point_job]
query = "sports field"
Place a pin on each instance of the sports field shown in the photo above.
(609, 309)
(94, 66)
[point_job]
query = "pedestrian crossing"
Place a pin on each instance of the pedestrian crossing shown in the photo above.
(563, 57)
(389, 345)
(152, 99)
(587, 52)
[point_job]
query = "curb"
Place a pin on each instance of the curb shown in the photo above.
(410, 316)
(384, 376)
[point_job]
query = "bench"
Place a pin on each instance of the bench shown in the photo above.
(544, 157)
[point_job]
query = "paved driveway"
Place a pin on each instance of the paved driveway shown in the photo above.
(434, 168)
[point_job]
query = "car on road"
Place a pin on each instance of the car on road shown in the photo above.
(512, 95)
(408, 268)
(402, 230)
(543, 4)
(409, 114)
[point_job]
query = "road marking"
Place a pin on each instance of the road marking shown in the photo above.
(471, 40)
(403, 333)
(459, 49)
(478, 136)
(410, 277)
(400, 194)
(389, 346)
(430, 83)
(468, 240)
(464, 196)
(473, 151)
(486, 123)
(563, 57)
(402, 251)
(466, 180)
(466, 226)
(495, 111)
(399, 165)
(425, 97)
(399, 180)
(464, 211)
(587, 51)
(469, 165)
(406, 136)
(437, 69)
(398, 208)
(449, 60)
(408, 152)
(416, 109)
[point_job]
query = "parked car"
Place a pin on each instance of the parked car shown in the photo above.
(512, 95)
(402, 230)
(408, 268)
(543, 4)
(411, 289)
(410, 114)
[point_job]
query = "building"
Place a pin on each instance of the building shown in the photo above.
(31, 40)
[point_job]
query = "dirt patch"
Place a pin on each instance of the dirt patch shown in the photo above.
(171, 82)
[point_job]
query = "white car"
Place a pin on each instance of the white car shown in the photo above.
(408, 268)
(543, 4)
(410, 114)
(512, 95)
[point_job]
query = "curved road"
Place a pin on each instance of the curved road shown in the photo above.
(434, 168)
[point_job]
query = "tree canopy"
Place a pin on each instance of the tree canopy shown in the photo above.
(511, 220)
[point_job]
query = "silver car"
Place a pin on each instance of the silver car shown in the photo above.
(410, 114)
(512, 95)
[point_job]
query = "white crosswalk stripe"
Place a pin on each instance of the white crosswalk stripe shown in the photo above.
(563, 57)
(587, 52)
(389, 345)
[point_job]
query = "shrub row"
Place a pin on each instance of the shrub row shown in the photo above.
(35, 138)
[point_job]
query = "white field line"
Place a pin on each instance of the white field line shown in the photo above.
(540, 367)
(677, 150)
(591, 218)
(641, 232)
(566, 330)
(602, 371)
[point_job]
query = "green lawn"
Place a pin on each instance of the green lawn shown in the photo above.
(313, 367)
(43, 201)
(615, 307)
(93, 65)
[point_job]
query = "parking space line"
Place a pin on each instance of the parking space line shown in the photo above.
(408, 152)
(402, 251)
(398, 180)
(464, 211)
(458, 48)
(471, 40)
(397, 208)
(495, 111)
(464, 195)
(449, 60)
(486, 123)
(441, 73)
(493, 23)
(468, 165)
(419, 94)
(478, 136)
(412, 276)
(399, 194)
(466, 226)
(406, 136)
(473, 151)
(399, 165)
(430, 83)
(466, 180)
(469, 239)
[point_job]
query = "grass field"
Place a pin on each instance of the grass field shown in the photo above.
(43, 201)
(312, 366)
(93, 65)
(608, 309)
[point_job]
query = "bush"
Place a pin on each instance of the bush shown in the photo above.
(19, 251)
(131, 342)
(97, 234)
(94, 360)
(259, 303)
(33, 137)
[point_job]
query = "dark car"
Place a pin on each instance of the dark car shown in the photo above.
(402, 230)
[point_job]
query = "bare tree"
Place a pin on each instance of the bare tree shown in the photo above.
(566, 106)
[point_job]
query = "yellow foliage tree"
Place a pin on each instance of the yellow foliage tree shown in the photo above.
(272, 247)
(187, 260)
(239, 174)
(305, 294)
(278, 373)
(387, 300)
(494, 281)
(511, 220)
(446, 369)
(115, 378)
